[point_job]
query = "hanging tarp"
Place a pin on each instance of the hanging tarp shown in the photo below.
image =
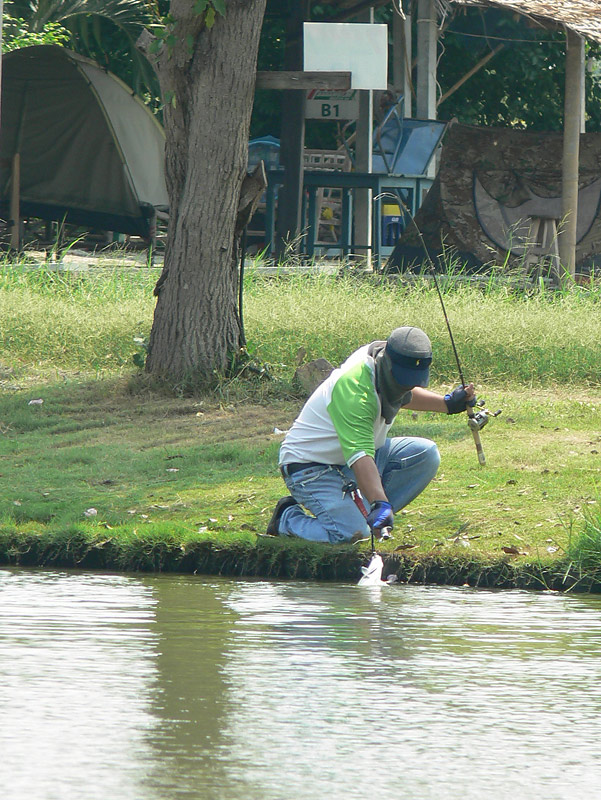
(491, 184)
(91, 152)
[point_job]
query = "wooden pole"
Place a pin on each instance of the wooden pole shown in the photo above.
(1, 18)
(482, 63)
(573, 104)
(15, 231)
(401, 62)
(292, 137)
(427, 43)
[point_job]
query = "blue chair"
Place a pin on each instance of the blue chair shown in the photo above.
(266, 149)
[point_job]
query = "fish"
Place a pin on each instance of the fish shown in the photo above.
(372, 573)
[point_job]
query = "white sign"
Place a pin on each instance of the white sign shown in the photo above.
(326, 105)
(356, 47)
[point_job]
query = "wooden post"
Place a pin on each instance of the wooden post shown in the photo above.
(573, 104)
(401, 62)
(292, 135)
(15, 231)
(427, 41)
(1, 18)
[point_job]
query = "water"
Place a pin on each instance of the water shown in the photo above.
(167, 687)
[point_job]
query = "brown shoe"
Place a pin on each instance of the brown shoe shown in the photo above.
(283, 503)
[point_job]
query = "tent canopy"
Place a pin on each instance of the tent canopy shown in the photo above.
(91, 152)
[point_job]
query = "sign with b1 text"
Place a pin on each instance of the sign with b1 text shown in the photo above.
(332, 106)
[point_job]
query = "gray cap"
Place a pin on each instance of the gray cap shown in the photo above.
(410, 353)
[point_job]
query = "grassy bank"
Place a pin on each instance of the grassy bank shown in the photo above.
(107, 473)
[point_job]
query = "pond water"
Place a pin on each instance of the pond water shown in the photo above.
(168, 687)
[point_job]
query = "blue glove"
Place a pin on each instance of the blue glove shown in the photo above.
(457, 401)
(380, 516)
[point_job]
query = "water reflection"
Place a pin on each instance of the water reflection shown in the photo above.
(77, 665)
(190, 750)
(424, 692)
(181, 687)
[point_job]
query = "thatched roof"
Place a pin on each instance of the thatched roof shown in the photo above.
(582, 16)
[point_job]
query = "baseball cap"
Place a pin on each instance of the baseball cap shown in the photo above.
(410, 353)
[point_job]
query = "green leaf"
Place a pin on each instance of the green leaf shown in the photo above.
(200, 6)
(219, 6)
(170, 98)
(170, 42)
(210, 18)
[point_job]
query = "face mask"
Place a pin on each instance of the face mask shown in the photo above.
(392, 394)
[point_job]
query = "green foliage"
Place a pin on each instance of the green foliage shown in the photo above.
(91, 320)
(16, 34)
(503, 332)
(522, 86)
(209, 8)
(166, 26)
(585, 546)
(104, 30)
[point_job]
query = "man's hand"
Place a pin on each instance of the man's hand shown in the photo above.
(380, 516)
(460, 399)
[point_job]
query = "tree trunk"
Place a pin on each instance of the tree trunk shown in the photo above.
(207, 81)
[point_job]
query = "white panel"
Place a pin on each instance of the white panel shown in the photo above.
(360, 48)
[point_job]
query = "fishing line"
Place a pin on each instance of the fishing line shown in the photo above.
(433, 271)
(476, 420)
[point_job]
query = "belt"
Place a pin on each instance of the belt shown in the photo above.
(290, 469)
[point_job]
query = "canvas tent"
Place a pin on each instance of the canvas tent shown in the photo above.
(90, 151)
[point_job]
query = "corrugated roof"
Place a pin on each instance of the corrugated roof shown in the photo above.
(582, 16)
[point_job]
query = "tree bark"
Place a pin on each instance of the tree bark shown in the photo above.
(207, 80)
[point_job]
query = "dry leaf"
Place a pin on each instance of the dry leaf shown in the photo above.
(513, 551)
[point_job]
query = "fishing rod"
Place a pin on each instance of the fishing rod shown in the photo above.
(476, 420)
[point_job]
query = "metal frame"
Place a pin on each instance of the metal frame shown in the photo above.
(383, 187)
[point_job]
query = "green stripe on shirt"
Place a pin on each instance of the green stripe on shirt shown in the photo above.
(354, 408)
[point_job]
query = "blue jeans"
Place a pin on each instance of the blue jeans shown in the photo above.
(406, 465)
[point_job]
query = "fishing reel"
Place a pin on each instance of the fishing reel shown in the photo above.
(478, 419)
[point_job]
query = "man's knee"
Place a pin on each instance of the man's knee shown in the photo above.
(433, 456)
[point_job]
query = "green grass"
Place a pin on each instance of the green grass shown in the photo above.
(501, 335)
(58, 320)
(168, 474)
